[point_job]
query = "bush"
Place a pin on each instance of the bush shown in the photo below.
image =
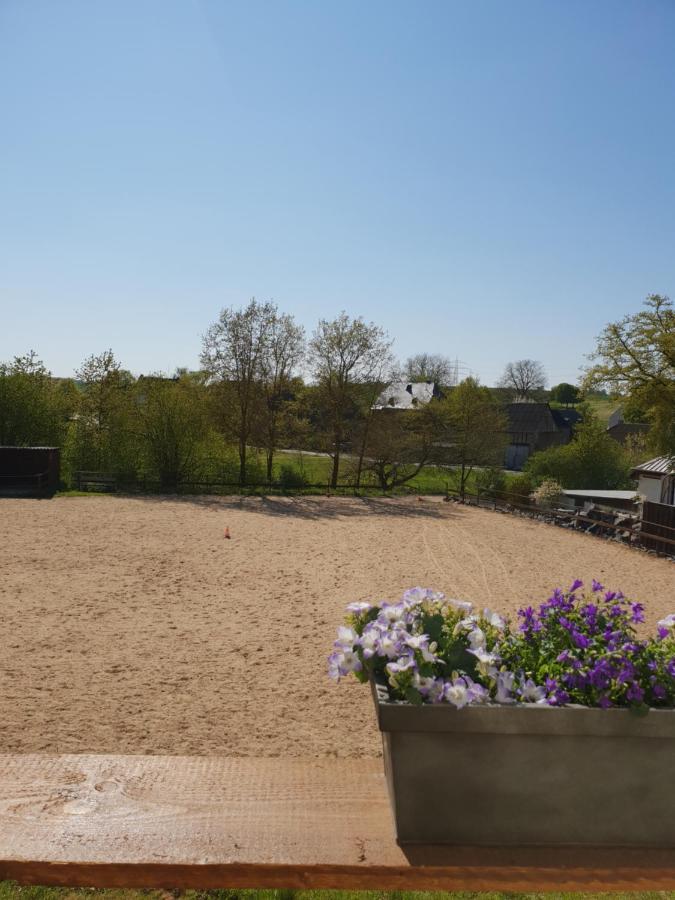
(518, 489)
(291, 478)
(593, 460)
(491, 482)
(548, 493)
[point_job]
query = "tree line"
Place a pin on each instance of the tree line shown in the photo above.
(264, 385)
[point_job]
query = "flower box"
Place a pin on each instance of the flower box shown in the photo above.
(559, 730)
(528, 774)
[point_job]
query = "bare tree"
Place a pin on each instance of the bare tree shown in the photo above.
(525, 377)
(429, 367)
(345, 353)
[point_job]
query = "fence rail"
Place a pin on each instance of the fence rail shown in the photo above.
(658, 535)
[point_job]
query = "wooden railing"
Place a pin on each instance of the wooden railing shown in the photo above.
(193, 822)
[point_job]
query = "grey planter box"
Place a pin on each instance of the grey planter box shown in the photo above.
(528, 775)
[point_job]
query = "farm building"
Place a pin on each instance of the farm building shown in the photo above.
(407, 395)
(656, 479)
(619, 429)
(29, 471)
(533, 427)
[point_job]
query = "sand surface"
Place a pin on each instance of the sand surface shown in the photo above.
(133, 626)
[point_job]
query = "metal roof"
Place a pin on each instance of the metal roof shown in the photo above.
(610, 495)
(660, 465)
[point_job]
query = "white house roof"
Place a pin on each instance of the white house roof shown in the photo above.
(660, 465)
(405, 395)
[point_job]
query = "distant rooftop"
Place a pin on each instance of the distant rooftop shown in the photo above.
(406, 395)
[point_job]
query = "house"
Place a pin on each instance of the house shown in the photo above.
(619, 429)
(656, 479)
(407, 395)
(533, 427)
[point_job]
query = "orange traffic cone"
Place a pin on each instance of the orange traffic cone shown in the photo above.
(227, 532)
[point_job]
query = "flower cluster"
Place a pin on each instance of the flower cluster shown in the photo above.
(575, 648)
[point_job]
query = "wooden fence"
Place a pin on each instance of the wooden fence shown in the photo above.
(654, 531)
(658, 527)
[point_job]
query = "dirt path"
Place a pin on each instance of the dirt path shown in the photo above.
(133, 626)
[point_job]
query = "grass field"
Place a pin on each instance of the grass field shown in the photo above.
(11, 891)
(317, 469)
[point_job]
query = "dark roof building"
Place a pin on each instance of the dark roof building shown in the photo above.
(533, 427)
(619, 429)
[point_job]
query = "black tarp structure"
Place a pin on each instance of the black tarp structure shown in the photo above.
(29, 471)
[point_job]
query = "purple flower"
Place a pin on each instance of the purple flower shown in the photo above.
(596, 586)
(638, 613)
(577, 583)
(670, 667)
(635, 692)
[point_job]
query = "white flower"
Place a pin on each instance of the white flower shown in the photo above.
(463, 605)
(359, 608)
(346, 637)
(401, 665)
(476, 638)
(505, 682)
(531, 692)
(387, 646)
(668, 622)
(457, 693)
(369, 640)
(494, 619)
(487, 662)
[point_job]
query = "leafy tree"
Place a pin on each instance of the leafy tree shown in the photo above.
(429, 367)
(233, 355)
(283, 351)
(34, 407)
(171, 424)
(344, 353)
(103, 432)
(565, 393)
(593, 460)
(400, 443)
(476, 426)
(636, 357)
(524, 378)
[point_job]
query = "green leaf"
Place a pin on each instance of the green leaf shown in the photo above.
(433, 626)
(413, 696)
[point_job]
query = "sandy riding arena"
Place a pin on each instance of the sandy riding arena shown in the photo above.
(134, 626)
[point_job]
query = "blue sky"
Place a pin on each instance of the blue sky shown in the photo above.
(486, 179)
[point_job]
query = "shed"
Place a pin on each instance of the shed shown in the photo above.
(656, 479)
(29, 471)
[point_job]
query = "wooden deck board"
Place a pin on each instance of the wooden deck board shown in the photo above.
(144, 821)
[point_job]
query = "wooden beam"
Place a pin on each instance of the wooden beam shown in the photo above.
(198, 822)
